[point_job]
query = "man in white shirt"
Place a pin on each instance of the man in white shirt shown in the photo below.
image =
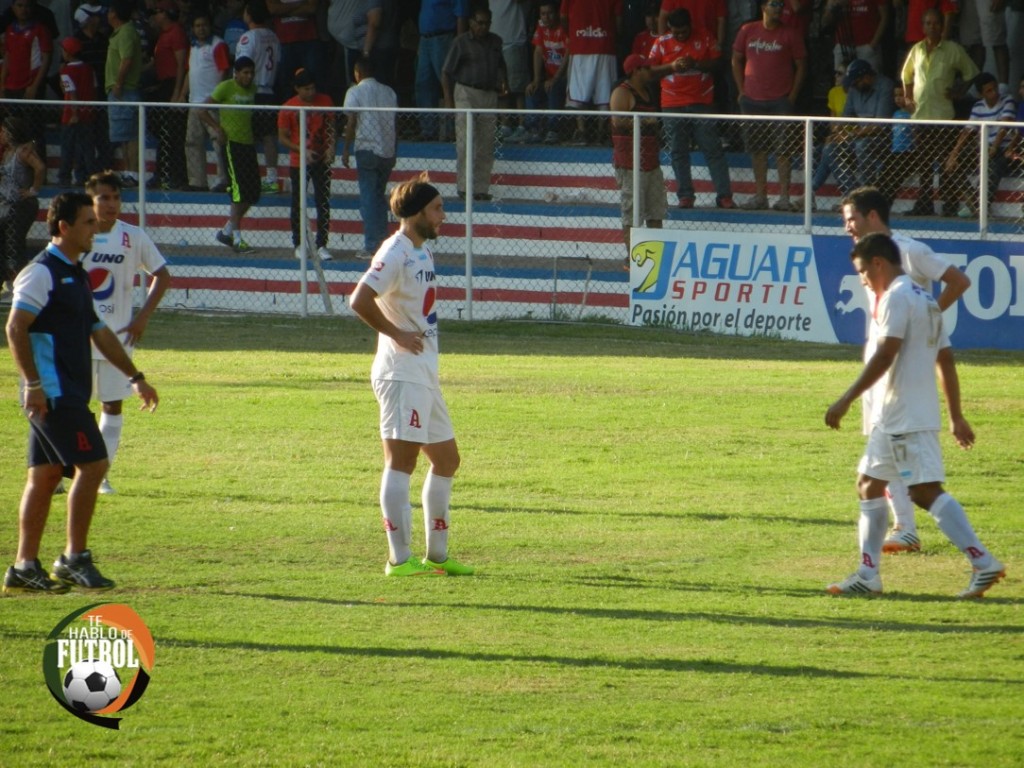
(372, 135)
(397, 297)
(119, 252)
(866, 211)
(904, 348)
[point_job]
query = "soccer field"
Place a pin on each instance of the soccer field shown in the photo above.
(653, 517)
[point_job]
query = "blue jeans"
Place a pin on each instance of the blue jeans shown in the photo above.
(680, 133)
(554, 98)
(372, 174)
(78, 150)
(429, 64)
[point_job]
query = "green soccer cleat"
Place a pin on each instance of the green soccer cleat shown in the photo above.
(411, 568)
(450, 567)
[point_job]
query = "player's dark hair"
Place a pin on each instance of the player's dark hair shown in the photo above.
(412, 196)
(364, 65)
(876, 244)
(244, 62)
(65, 207)
(680, 17)
(867, 199)
(18, 128)
(105, 178)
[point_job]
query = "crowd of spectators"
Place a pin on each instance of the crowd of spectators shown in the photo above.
(758, 57)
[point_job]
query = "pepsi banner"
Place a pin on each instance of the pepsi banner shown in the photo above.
(803, 287)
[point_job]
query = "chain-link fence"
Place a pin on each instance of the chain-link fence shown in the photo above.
(535, 223)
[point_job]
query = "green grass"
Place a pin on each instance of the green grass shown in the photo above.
(653, 517)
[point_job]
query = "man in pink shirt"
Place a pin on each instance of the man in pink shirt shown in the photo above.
(769, 62)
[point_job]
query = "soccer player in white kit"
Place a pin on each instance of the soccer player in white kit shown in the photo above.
(866, 210)
(397, 297)
(904, 348)
(119, 252)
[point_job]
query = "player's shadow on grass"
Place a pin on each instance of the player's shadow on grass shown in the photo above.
(701, 665)
(632, 614)
(681, 515)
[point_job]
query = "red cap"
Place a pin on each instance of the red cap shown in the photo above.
(72, 45)
(634, 62)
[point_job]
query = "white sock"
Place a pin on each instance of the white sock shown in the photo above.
(437, 495)
(272, 175)
(901, 505)
(110, 428)
(24, 565)
(874, 516)
(952, 521)
(236, 236)
(397, 511)
(228, 227)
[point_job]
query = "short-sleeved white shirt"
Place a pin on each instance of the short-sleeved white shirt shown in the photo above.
(116, 257)
(924, 267)
(906, 398)
(403, 278)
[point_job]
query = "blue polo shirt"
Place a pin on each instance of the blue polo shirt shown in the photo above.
(58, 293)
(439, 16)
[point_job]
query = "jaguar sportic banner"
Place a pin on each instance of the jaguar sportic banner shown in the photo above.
(804, 287)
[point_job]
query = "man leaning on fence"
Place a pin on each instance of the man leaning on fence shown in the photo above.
(634, 95)
(687, 60)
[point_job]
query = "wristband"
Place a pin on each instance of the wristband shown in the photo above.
(140, 376)
(33, 386)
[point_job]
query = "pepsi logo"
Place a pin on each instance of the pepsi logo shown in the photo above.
(428, 305)
(102, 282)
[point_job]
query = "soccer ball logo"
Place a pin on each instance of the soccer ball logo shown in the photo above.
(90, 686)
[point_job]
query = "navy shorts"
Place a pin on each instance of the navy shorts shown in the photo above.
(244, 172)
(68, 435)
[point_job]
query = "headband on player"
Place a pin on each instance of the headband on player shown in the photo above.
(418, 200)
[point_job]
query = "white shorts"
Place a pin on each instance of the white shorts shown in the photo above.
(109, 385)
(591, 79)
(913, 458)
(412, 412)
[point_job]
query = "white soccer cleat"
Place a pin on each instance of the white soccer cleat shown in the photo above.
(982, 579)
(900, 540)
(324, 254)
(855, 584)
(106, 488)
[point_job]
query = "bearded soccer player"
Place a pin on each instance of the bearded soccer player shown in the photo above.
(119, 252)
(397, 298)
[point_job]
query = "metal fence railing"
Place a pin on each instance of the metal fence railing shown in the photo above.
(543, 237)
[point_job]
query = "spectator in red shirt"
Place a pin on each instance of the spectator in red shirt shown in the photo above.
(170, 60)
(687, 61)
(592, 28)
(547, 89)
(859, 26)
(705, 16)
(645, 38)
(77, 123)
(28, 50)
(769, 62)
(301, 47)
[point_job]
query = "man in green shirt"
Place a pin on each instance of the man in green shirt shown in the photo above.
(122, 72)
(234, 131)
(936, 71)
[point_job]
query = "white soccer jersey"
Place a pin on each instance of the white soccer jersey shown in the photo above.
(906, 399)
(262, 46)
(924, 267)
(403, 278)
(116, 257)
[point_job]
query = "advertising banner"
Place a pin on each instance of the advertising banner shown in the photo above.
(803, 287)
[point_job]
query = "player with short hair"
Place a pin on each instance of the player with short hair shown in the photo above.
(397, 298)
(119, 252)
(866, 211)
(905, 346)
(51, 323)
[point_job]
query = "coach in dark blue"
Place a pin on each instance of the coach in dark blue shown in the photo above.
(49, 330)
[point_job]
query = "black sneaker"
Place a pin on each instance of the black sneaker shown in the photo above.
(33, 579)
(80, 571)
